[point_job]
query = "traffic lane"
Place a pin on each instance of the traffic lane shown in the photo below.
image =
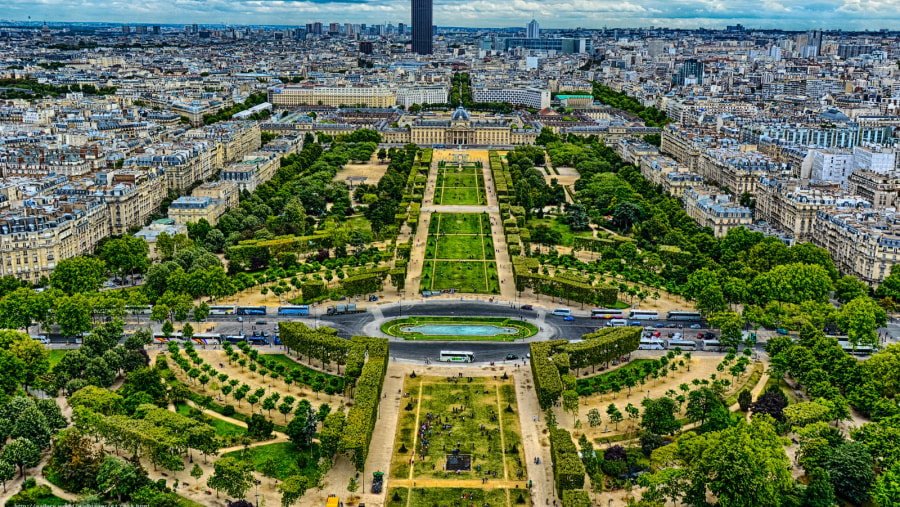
(484, 351)
(449, 308)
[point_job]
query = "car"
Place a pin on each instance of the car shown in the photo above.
(528, 355)
(660, 325)
(510, 357)
(695, 326)
(255, 333)
(568, 317)
(700, 336)
(530, 308)
(264, 334)
(240, 319)
(656, 334)
(680, 326)
(261, 323)
(635, 323)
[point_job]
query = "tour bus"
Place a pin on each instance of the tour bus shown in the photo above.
(712, 345)
(251, 310)
(678, 315)
(607, 313)
(651, 344)
(618, 322)
(293, 310)
(644, 315)
(562, 312)
(450, 356)
(207, 338)
(257, 340)
(221, 310)
(683, 344)
(235, 339)
(860, 350)
(139, 310)
(161, 338)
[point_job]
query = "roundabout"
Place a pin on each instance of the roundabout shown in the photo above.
(459, 328)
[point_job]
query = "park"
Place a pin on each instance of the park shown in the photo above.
(460, 254)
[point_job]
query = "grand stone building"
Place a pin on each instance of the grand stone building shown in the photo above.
(461, 128)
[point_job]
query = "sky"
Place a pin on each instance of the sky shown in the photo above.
(784, 14)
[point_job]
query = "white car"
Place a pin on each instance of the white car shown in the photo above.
(42, 338)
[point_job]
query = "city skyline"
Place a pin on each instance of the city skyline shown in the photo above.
(554, 14)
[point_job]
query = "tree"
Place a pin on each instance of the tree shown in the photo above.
(21, 453)
(168, 328)
(741, 465)
(201, 312)
(353, 486)
(292, 489)
(21, 308)
(711, 299)
(848, 287)
(615, 416)
(570, 403)
(594, 418)
(819, 492)
(232, 476)
(772, 403)
(7, 472)
(196, 472)
(860, 318)
(745, 398)
(730, 323)
(382, 154)
(73, 314)
(303, 426)
(885, 492)
(659, 416)
(669, 484)
(850, 468)
(32, 425)
(78, 275)
(126, 255)
(187, 331)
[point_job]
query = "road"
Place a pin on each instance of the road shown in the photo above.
(350, 325)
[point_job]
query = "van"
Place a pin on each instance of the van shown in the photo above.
(618, 322)
(562, 312)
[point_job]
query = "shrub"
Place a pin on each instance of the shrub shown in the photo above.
(228, 410)
(650, 442)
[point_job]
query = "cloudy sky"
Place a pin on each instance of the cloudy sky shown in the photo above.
(787, 14)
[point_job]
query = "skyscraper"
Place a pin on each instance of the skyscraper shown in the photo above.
(533, 31)
(421, 27)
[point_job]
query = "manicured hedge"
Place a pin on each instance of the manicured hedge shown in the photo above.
(576, 498)
(547, 382)
(568, 470)
(362, 416)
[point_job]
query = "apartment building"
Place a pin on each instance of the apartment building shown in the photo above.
(531, 97)
(862, 243)
(833, 164)
(183, 164)
(225, 191)
(191, 209)
(739, 171)
(712, 208)
(335, 95)
(33, 239)
(252, 172)
(686, 145)
(238, 138)
(42, 161)
(676, 183)
(790, 206)
(425, 94)
(633, 150)
(656, 167)
(880, 189)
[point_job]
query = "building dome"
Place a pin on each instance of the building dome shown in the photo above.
(460, 114)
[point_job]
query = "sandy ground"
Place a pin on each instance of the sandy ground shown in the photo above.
(217, 359)
(374, 169)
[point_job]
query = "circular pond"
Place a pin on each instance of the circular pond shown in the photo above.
(459, 330)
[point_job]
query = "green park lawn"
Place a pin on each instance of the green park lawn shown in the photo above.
(223, 428)
(55, 356)
(460, 223)
(459, 247)
(481, 402)
(461, 275)
(456, 246)
(429, 497)
(567, 235)
(462, 196)
(287, 457)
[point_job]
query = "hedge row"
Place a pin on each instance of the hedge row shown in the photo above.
(576, 498)
(560, 286)
(362, 416)
(321, 344)
(551, 361)
(568, 470)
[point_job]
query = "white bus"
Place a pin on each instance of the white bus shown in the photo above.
(650, 344)
(562, 312)
(607, 313)
(712, 345)
(860, 350)
(618, 322)
(689, 316)
(683, 344)
(644, 315)
(207, 338)
(161, 338)
(221, 310)
(450, 356)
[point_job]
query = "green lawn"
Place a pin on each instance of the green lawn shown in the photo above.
(461, 275)
(429, 497)
(567, 234)
(460, 223)
(56, 355)
(458, 247)
(463, 196)
(481, 408)
(223, 428)
(289, 460)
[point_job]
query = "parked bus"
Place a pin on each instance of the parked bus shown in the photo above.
(650, 344)
(161, 338)
(607, 313)
(450, 356)
(257, 340)
(139, 310)
(690, 316)
(712, 345)
(207, 338)
(221, 310)
(683, 344)
(860, 350)
(644, 315)
(235, 339)
(293, 310)
(251, 310)
(618, 322)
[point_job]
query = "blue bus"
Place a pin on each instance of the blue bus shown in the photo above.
(235, 339)
(293, 310)
(251, 310)
(257, 340)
